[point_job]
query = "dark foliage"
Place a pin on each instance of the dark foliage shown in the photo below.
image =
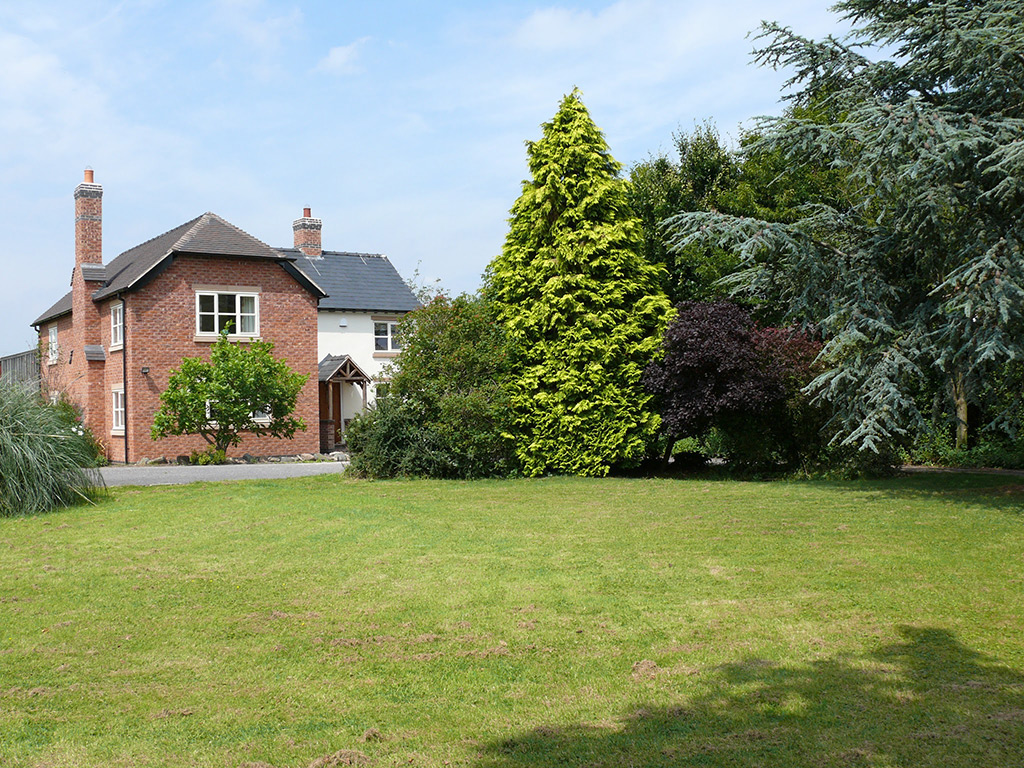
(720, 372)
(751, 182)
(712, 370)
(916, 268)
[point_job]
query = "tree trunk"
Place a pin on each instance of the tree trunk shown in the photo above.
(960, 403)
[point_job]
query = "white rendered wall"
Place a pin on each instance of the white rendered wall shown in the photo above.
(355, 339)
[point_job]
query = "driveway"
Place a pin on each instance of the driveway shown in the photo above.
(173, 474)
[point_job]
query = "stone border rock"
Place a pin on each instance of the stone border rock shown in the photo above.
(248, 458)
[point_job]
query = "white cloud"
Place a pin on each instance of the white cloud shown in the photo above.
(558, 28)
(341, 60)
(265, 32)
(189, 106)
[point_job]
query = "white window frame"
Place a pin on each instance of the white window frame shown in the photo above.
(117, 325)
(117, 418)
(53, 344)
(389, 338)
(261, 417)
(236, 317)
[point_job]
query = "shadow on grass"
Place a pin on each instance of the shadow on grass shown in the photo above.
(985, 488)
(1001, 492)
(926, 701)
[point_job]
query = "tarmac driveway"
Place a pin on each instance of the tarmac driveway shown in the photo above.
(173, 474)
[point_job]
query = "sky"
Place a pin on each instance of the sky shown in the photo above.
(401, 124)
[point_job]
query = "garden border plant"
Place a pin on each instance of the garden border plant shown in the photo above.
(45, 461)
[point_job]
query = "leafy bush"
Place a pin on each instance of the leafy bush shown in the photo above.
(210, 456)
(71, 415)
(44, 462)
(239, 389)
(936, 446)
(738, 388)
(446, 410)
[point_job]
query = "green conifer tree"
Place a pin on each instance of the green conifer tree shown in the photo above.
(919, 270)
(583, 308)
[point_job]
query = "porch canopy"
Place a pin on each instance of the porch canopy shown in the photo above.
(342, 368)
(334, 372)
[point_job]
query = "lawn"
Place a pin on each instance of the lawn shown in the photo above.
(523, 623)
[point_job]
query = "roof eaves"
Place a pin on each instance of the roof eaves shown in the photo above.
(303, 279)
(152, 271)
(60, 308)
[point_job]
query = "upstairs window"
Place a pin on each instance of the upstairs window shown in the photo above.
(385, 336)
(116, 325)
(237, 311)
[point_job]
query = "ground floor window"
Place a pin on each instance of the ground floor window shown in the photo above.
(52, 347)
(117, 421)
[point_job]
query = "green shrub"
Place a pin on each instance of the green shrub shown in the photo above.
(44, 461)
(71, 415)
(456, 438)
(446, 410)
(935, 446)
(210, 456)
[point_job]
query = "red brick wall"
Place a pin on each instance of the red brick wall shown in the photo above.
(112, 377)
(72, 375)
(60, 376)
(88, 384)
(160, 326)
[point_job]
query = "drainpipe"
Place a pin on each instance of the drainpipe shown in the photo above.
(124, 369)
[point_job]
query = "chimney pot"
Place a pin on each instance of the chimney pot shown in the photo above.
(89, 176)
(307, 234)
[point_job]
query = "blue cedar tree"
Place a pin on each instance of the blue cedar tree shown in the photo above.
(921, 270)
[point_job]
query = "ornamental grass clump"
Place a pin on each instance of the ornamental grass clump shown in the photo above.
(43, 459)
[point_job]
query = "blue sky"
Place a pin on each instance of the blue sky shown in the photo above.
(402, 124)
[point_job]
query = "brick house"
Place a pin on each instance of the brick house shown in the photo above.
(111, 342)
(356, 323)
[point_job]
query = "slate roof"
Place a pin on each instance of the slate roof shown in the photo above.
(356, 281)
(62, 307)
(331, 364)
(365, 282)
(207, 234)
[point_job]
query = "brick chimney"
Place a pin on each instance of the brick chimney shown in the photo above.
(307, 234)
(85, 355)
(88, 222)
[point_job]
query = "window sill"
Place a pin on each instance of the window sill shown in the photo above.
(117, 432)
(115, 347)
(211, 338)
(380, 355)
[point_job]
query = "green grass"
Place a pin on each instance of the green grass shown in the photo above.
(521, 623)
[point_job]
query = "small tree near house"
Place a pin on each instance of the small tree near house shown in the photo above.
(239, 389)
